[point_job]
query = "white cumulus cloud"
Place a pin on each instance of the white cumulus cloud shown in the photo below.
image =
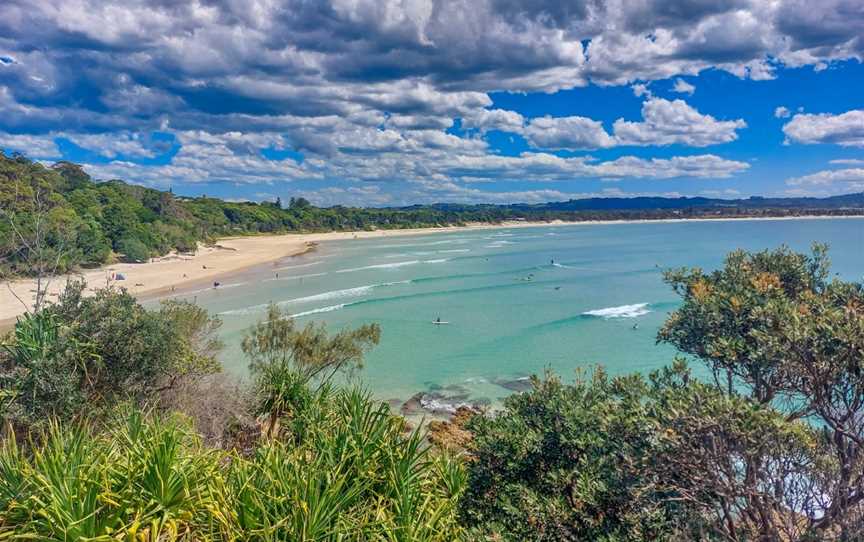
(845, 129)
(683, 87)
(572, 133)
(666, 122)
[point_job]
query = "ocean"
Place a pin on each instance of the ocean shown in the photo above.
(516, 301)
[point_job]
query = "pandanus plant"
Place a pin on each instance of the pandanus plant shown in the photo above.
(351, 473)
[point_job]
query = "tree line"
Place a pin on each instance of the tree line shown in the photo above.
(58, 218)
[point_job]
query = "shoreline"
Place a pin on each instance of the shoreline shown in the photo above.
(229, 256)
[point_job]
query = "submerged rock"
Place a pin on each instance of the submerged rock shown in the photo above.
(523, 383)
(441, 404)
(454, 388)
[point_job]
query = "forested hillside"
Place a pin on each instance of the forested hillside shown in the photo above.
(74, 220)
(88, 223)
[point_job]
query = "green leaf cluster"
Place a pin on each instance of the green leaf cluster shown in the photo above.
(86, 352)
(356, 475)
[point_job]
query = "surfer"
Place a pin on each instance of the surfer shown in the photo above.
(636, 325)
(438, 320)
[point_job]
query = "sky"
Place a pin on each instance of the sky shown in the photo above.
(397, 102)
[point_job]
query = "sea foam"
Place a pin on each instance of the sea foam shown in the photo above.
(622, 311)
(339, 294)
(329, 308)
(392, 265)
(358, 291)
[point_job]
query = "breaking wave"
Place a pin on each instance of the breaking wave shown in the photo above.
(622, 311)
(358, 291)
(320, 310)
(392, 265)
(338, 294)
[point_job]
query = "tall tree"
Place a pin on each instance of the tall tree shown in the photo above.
(772, 327)
(38, 232)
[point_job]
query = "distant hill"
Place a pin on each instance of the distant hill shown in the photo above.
(846, 201)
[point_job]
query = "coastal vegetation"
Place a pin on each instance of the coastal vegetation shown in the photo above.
(97, 445)
(118, 424)
(56, 218)
(769, 449)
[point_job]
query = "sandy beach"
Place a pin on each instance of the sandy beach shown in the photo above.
(179, 272)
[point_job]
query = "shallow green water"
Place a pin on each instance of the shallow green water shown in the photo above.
(517, 300)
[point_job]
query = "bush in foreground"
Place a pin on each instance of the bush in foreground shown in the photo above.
(771, 450)
(82, 354)
(354, 475)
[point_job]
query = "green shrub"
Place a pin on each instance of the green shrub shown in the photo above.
(90, 352)
(567, 462)
(355, 475)
(133, 250)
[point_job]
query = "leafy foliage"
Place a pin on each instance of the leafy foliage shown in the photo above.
(566, 462)
(286, 360)
(629, 459)
(775, 330)
(771, 450)
(87, 223)
(83, 352)
(355, 475)
(311, 352)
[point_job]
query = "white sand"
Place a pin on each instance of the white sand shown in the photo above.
(181, 271)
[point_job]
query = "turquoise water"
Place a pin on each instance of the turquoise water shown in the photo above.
(517, 300)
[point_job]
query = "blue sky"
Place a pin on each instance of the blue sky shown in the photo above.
(415, 101)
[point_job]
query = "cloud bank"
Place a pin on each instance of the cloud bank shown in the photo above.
(267, 91)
